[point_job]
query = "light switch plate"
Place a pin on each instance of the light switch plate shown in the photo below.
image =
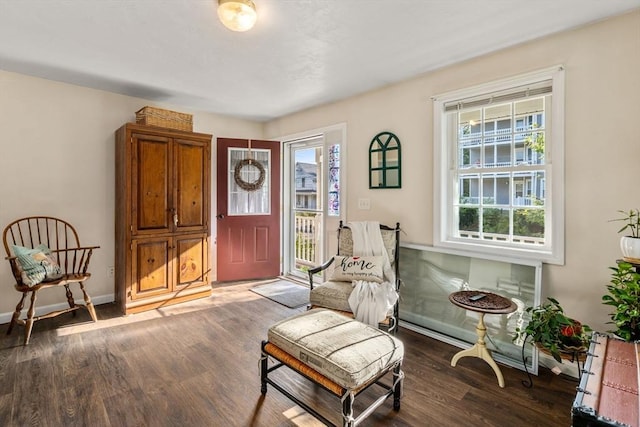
(364, 204)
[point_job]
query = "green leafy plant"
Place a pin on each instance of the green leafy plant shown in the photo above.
(554, 331)
(624, 296)
(535, 141)
(631, 220)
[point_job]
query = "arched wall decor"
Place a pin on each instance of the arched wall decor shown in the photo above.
(385, 161)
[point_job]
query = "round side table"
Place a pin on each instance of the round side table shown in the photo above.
(489, 304)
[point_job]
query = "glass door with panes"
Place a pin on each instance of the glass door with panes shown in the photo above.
(312, 201)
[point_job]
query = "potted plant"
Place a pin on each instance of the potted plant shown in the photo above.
(630, 244)
(554, 332)
(624, 296)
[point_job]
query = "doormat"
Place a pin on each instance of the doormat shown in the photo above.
(284, 292)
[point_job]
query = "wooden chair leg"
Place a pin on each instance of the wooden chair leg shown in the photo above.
(29, 322)
(88, 303)
(69, 295)
(16, 314)
(70, 299)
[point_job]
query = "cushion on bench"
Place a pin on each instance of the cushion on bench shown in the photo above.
(346, 351)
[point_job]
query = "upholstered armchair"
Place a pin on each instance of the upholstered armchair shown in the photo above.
(338, 285)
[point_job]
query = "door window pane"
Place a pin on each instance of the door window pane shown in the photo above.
(243, 173)
(307, 188)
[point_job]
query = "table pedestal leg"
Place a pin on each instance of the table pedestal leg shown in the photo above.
(480, 350)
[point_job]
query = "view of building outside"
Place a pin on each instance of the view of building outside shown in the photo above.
(308, 207)
(306, 185)
(309, 195)
(501, 173)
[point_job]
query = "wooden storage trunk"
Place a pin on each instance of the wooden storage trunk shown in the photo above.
(164, 118)
(608, 390)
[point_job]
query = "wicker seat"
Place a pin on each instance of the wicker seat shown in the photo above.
(58, 240)
(334, 295)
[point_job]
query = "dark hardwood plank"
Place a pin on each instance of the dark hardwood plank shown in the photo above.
(196, 364)
(5, 409)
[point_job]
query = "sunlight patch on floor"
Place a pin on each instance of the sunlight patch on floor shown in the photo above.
(108, 323)
(300, 417)
(242, 295)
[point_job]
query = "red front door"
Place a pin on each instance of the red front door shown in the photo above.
(248, 215)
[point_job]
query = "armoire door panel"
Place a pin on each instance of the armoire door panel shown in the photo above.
(192, 255)
(152, 185)
(151, 267)
(191, 185)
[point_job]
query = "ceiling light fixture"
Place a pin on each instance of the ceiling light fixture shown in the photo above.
(237, 15)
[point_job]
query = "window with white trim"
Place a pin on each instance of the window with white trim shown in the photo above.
(499, 167)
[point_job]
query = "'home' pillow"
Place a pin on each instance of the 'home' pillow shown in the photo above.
(37, 264)
(348, 268)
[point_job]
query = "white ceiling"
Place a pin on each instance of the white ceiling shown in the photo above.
(300, 54)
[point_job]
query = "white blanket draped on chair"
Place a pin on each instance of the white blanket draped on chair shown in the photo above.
(370, 301)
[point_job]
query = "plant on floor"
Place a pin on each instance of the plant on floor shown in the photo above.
(624, 296)
(552, 330)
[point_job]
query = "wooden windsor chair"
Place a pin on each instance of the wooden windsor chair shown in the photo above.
(54, 244)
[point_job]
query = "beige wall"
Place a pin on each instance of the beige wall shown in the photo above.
(602, 63)
(57, 159)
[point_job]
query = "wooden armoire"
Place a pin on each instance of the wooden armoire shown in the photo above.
(163, 210)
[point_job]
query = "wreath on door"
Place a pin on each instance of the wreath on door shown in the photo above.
(246, 185)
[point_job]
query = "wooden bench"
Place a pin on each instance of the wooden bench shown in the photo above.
(342, 355)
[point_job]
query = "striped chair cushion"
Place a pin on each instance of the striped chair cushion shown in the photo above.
(346, 351)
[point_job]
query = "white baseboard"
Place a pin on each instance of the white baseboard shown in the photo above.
(101, 299)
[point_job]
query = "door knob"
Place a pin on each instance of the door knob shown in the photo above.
(220, 216)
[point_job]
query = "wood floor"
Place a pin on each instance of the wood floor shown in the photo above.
(196, 364)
